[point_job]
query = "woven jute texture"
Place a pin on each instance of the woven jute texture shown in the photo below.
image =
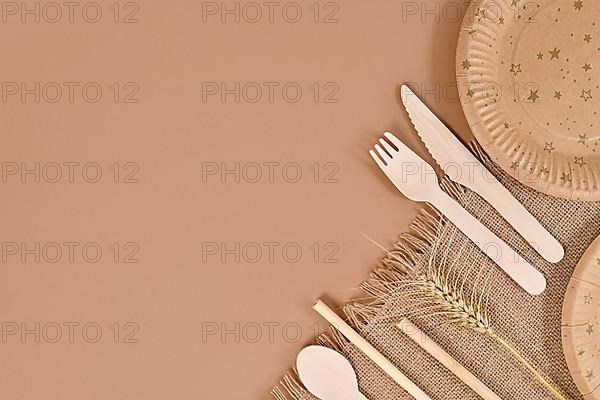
(531, 324)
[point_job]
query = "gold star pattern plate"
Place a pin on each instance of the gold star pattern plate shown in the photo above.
(528, 75)
(581, 323)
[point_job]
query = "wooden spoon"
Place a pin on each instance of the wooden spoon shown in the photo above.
(370, 351)
(327, 374)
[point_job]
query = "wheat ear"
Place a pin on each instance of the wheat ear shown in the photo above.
(441, 291)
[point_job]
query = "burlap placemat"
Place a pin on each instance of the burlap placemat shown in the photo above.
(532, 325)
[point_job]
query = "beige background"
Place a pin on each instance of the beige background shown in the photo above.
(171, 294)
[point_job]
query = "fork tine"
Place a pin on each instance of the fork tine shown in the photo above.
(385, 156)
(391, 151)
(395, 141)
(377, 159)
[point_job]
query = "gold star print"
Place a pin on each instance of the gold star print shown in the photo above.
(466, 64)
(540, 55)
(581, 352)
(501, 21)
(582, 138)
(566, 177)
(554, 53)
(545, 171)
(470, 93)
(506, 126)
(579, 161)
(514, 3)
(514, 165)
(578, 5)
(533, 95)
(472, 32)
(557, 95)
(590, 375)
(586, 67)
(590, 329)
(598, 261)
(481, 13)
(549, 147)
(586, 95)
(515, 68)
(588, 299)
(587, 38)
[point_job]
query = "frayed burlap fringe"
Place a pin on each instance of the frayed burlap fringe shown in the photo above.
(289, 388)
(401, 258)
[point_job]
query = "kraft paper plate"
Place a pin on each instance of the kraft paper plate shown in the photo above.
(528, 74)
(581, 323)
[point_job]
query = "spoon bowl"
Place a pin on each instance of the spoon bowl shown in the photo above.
(327, 374)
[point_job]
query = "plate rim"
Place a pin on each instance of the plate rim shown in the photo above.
(568, 346)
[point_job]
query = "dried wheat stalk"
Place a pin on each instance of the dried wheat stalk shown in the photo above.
(441, 291)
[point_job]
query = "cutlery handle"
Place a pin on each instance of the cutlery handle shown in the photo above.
(516, 267)
(431, 347)
(520, 218)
